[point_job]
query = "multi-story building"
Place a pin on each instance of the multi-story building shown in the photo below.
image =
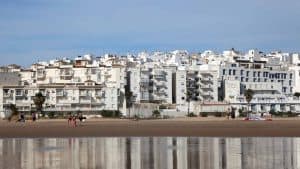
(176, 79)
(151, 84)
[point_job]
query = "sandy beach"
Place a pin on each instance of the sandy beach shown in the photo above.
(202, 127)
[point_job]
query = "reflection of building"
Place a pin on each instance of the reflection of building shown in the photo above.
(150, 153)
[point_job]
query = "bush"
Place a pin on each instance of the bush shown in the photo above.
(156, 113)
(166, 117)
(110, 113)
(162, 106)
(218, 114)
(243, 114)
(204, 114)
(51, 115)
(191, 114)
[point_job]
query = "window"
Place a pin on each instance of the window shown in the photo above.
(224, 71)
(254, 73)
(284, 89)
(247, 74)
(291, 75)
(229, 71)
(242, 79)
(290, 82)
(246, 79)
(258, 74)
(233, 72)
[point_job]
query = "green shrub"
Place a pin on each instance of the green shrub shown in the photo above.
(166, 117)
(156, 113)
(243, 114)
(218, 114)
(110, 113)
(162, 106)
(191, 114)
(51, 115)
(204, 114)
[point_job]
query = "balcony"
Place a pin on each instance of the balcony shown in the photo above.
(66, 74)
(205, 86)
(60, 93)
(160, 83)
(40, 74)
(86, 101)
(206, 79)
(84, 93)
(205, 93)
(7, 95)
(19, 93)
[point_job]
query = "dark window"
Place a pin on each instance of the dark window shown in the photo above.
(242, 72)
(290, 82)
(291, 75)
(254, 73)
(229, 71)
(224, 71)
(233, 72)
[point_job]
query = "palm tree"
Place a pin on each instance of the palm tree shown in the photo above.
(248, 95)
(189, 95)
(297, 94)
(128, 96)
(39, 100)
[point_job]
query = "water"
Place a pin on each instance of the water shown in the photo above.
(150, 153)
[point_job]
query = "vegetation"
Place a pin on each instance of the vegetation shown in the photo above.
(156, 113)
(242, 113)
(203, 114)
(51, 115)
(219, 114)
(110, 113)
(128, 96)
(282, 114)
(248, 95)
(14, 112)
(191, 114)
(189, 95)
(162, 106)
(39, 100)
(297, 94)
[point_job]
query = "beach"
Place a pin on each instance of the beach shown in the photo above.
(185, 127)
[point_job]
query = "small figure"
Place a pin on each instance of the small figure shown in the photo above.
(33, 115)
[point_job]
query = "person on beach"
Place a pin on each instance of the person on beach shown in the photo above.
(70, 119)
(33, 116)
(22, 117)
(74, 121)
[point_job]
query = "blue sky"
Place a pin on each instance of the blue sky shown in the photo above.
(32, 30)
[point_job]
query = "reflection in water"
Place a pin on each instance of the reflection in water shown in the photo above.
(148, 153)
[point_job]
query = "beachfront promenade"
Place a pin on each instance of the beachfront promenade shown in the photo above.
(203, 127)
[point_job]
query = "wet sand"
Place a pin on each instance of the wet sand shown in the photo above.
(202, 127)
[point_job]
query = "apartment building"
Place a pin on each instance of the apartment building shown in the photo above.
(150, 84)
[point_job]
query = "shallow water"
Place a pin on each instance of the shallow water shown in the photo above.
(150, 153)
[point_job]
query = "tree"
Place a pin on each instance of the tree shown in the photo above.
(297, 94)
(189, 95)
(39, 100)
(128, 96)
(14, 112)
(248, 95)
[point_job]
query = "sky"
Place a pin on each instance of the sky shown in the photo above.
(36, 30)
